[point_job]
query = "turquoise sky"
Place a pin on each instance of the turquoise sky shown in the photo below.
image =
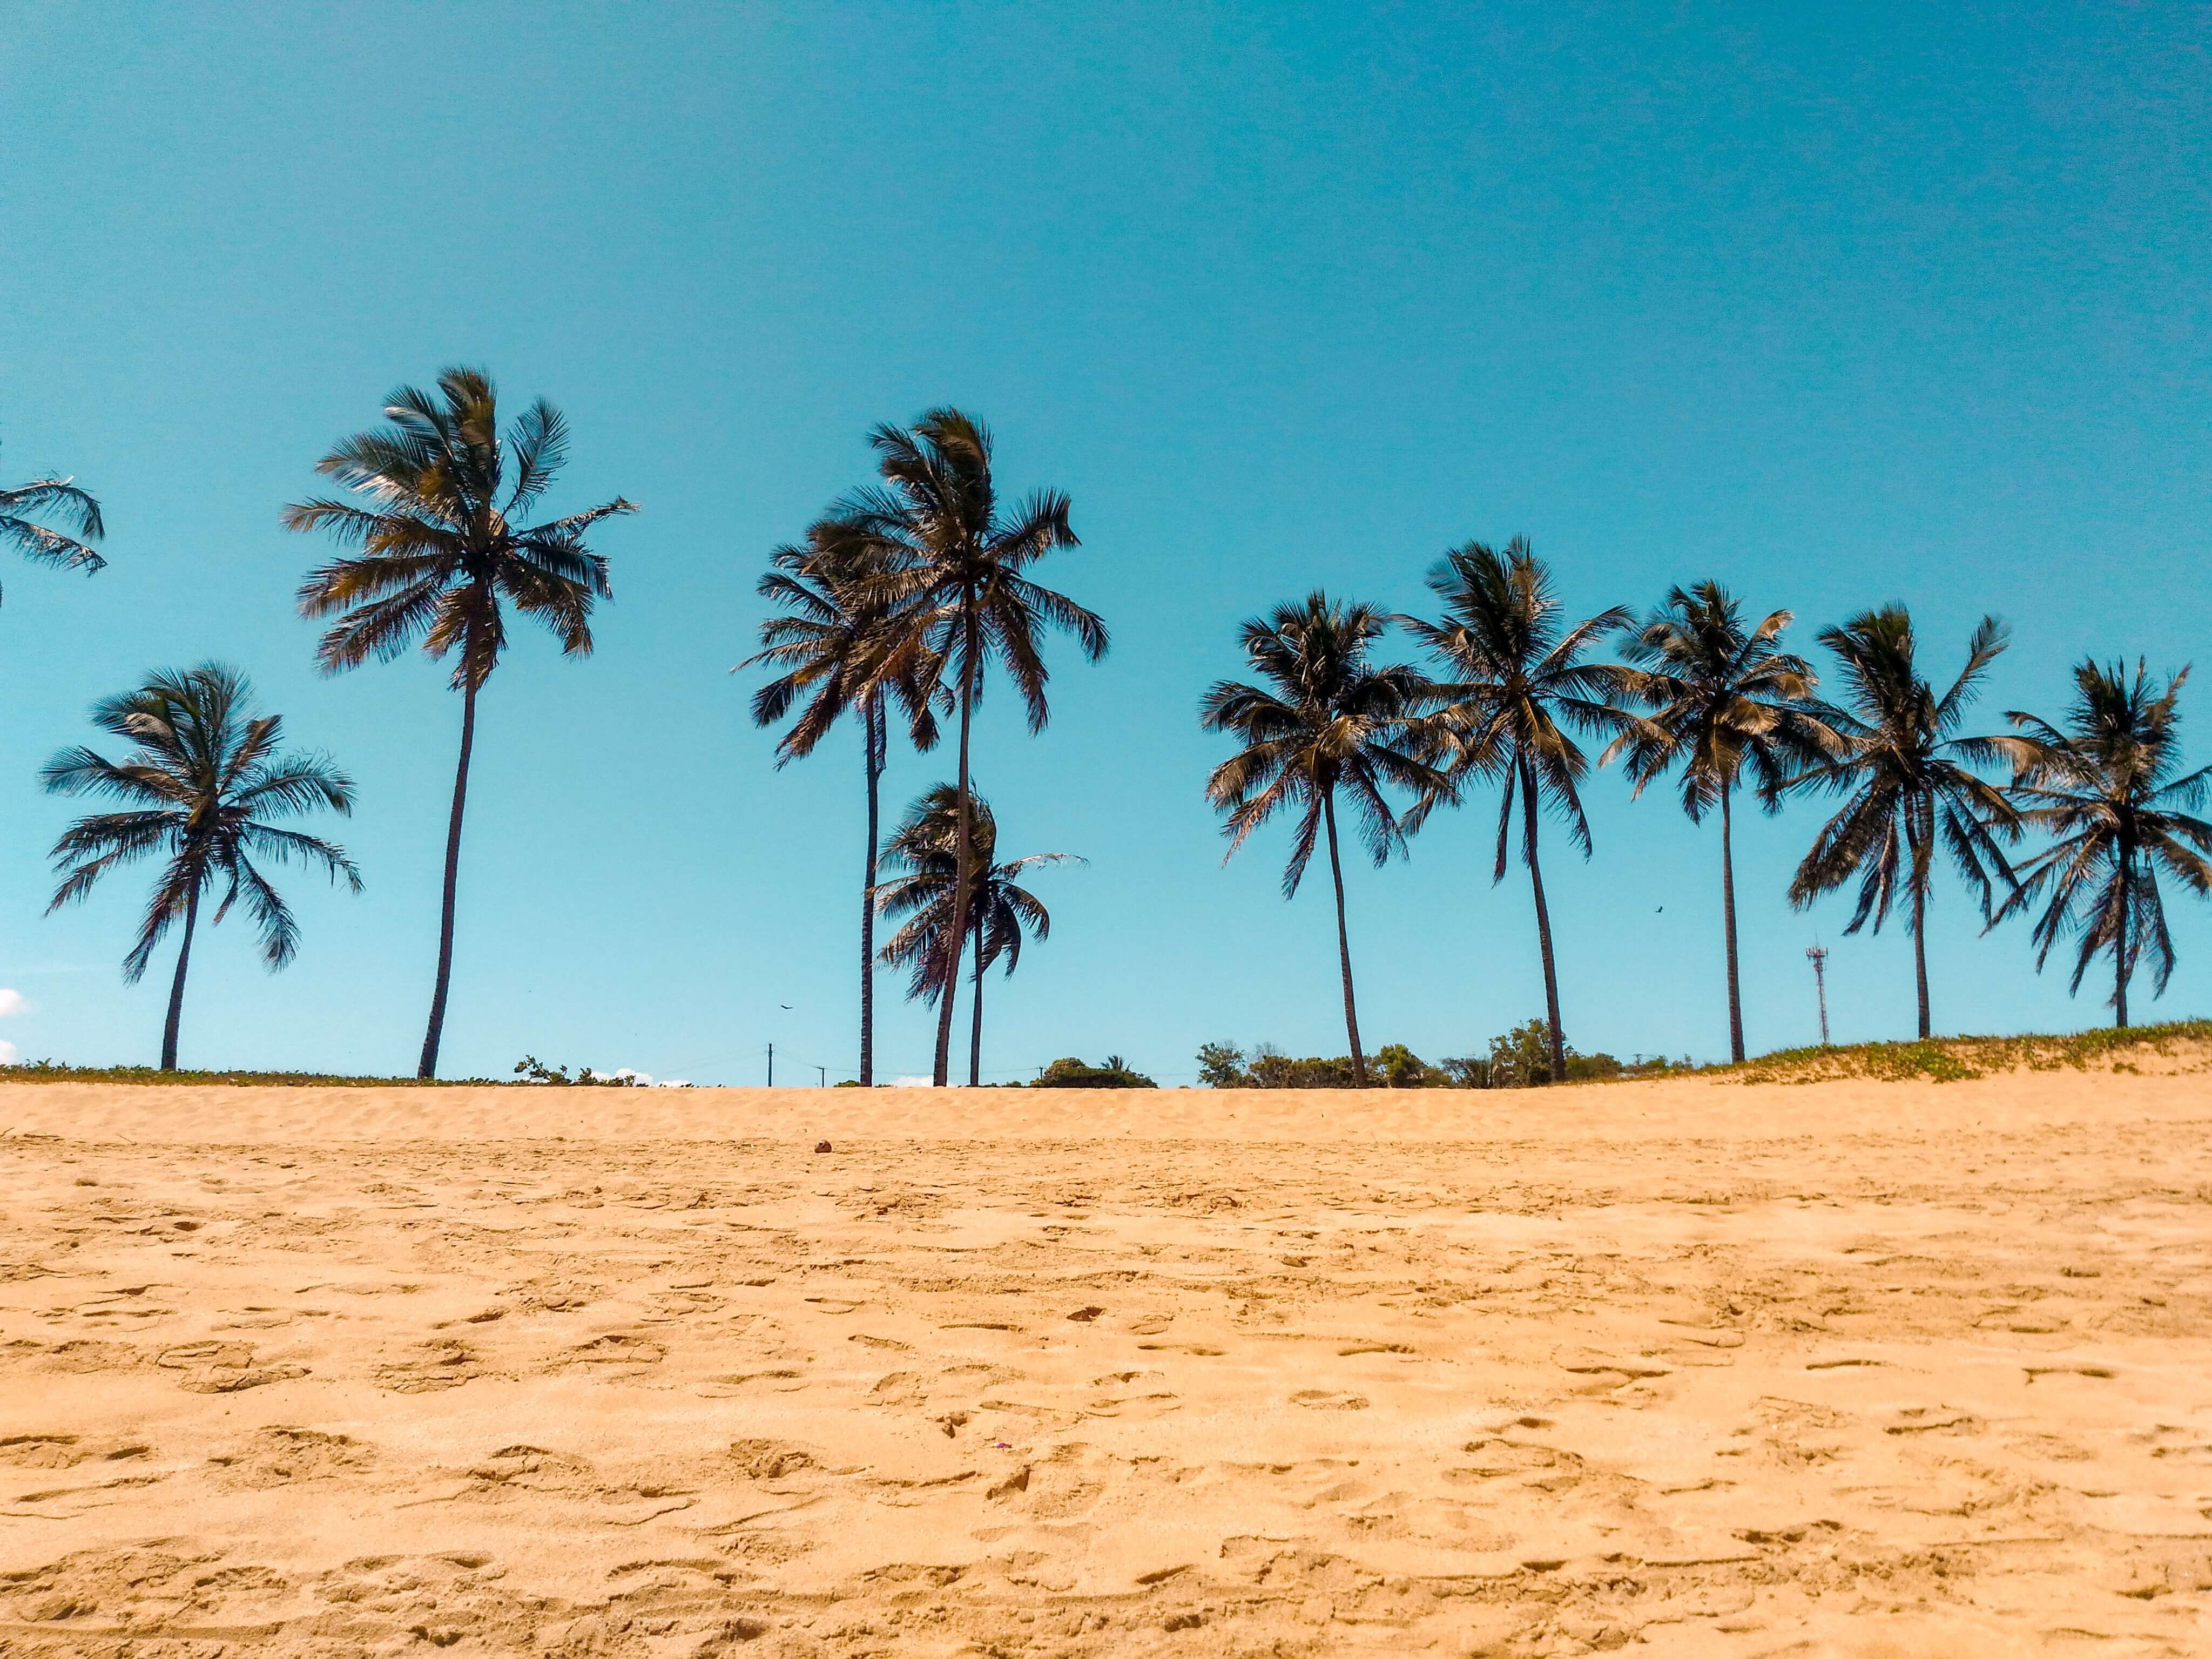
(1834, 304)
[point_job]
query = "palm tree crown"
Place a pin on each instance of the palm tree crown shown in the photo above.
(1517, 681)
(1722, 697)
(833, 640)
(443, 547)
(955, 582)
(1909, 779)
(206, 785)
(1327, 718)
(2105, 790)
(23, 505)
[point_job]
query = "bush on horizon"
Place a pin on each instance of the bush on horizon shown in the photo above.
(1521, 1058)
(1072, 1073)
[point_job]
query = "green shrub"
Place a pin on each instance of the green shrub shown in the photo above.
(1073, 1073)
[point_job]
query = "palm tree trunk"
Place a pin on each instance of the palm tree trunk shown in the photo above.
(2120, 964)
(1344, 946)
(177, 985)
(975, 1017)
(1920, 946)
(873, 717)
(1728, 919)
(435, 1033)
(1543, 921)
(964, 854)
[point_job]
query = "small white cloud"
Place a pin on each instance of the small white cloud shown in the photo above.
(913, 1082)
(636, 1079)
(11, 1002)
(7, 1054)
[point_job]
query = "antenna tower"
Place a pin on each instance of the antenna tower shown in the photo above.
(1819, 955)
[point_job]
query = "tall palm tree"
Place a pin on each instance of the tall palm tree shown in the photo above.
(1722, 697)
(1327, 718)
(957, 586)
(443, 550)
(926, 845)
(1909, 779)
(204, 785)
(838, 658)
(22, 506)
(1516, 679)
(2105, 790)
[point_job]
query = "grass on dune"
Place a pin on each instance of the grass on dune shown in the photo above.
(55, 1071)
(1952, 1059)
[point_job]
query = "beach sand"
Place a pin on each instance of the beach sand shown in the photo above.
(1683, 1368)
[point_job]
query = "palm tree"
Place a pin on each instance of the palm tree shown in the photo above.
(926, 845)
(2106, 791)
(956, 587)
(204, 785)
(1517, 679)
(21, 508)
(833, 646)
(1909, 779)
(1327, 718)
(443, 550)
(1721, 698)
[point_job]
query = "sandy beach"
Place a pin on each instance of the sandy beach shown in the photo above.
(1680, 1368)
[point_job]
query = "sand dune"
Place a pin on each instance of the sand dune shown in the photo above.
(1683, 1368)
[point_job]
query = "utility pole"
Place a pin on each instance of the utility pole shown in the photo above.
(1818, 953)
(824, 1072)
(771, 1065)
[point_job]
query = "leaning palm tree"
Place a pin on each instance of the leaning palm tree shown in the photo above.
(444, 550)
(926, 845)
(1722, 697)
(1327, 719)
(1910, 782)
(2105, 790)
(22, 506)
(1515, 678)
(203, 787)
(838, 658)
(958, 591)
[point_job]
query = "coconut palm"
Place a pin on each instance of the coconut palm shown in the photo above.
(1327, 719)
(927, 846)
(956, 589)
(1909, 778)
(1516, 680)
(22, 506)
(204, 786)
(2105, 790)
(831, 642)
(1722, 697)
(444, 550)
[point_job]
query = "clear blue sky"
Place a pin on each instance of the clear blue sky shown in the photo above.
(1836, 305)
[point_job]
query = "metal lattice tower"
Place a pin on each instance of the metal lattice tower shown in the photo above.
(1819, 954)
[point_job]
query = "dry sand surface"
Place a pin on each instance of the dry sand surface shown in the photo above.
(1683, 1368)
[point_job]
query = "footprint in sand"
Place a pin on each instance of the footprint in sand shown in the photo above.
(1329, 1400)
(616, 1352)
(441, 1363)
(222, 1367)
(280, 1454)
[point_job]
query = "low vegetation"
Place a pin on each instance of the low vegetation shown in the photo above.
(1953, 1060)
(1072, 1073)
(1519, 1059)
(55, 1071)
